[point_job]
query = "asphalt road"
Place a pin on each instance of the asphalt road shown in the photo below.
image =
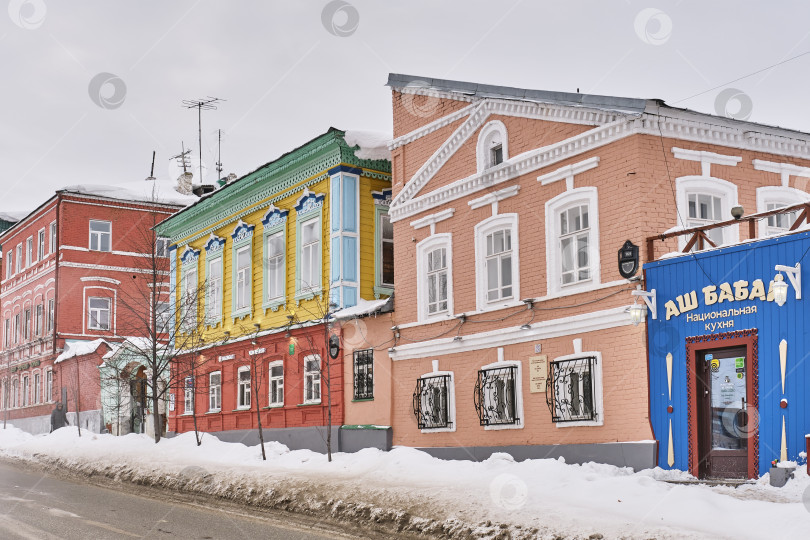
(38, 506)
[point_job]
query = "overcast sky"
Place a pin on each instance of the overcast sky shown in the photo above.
(289, 70)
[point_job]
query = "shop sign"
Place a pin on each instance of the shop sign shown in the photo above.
(538, 373)
(226, 357)
(257, 351)
(727, 292)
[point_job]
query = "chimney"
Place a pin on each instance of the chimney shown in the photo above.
(184, 183)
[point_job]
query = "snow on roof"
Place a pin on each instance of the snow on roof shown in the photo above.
(373, 144)
(363, 307)
(133, 343)
(158, 191)
(13, 216)
(80, 348)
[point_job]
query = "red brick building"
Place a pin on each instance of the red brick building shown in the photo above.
(72, 269)
(509, 209)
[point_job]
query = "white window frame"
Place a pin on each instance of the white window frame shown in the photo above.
(382, 286)
(435, 241)
(188, 396)
(598, 382)
(161, 246)
(26, 390)
(492, 135)
(312, 284)
(37, 376)
(190, 310)
(243, 279)
(41, 244)
(726, 191)
(98, 236)
(49, 385)
(100, 311)
(19, 266)
(554, 207)
(278, 381)
(316, 377)
(243, 389)
(214, 392)
(39, 319)
(49, 318)
(783, 196)
(29, 251)
(214, 291)
(451, 402)
(282, 268)
(482, 230)
(52, 238)
(9, 264)
(518, 394)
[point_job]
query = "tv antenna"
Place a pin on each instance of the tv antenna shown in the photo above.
(182, 158)
(208, 104)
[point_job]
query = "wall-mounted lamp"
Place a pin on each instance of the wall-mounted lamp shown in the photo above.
(227, 335)
(257, 326)
(395, 330)
(639, 311)
(780, 288)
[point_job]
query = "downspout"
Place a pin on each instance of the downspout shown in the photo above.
(57, 254)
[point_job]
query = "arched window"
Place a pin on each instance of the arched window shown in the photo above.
(493, 145)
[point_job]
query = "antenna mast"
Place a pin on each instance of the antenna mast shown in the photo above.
(209, 103)
(152, 172)
(219, 152)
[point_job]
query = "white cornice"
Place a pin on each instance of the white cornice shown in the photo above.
(102, 279)
(568, 172)
(430, 128)
(676, 124)
(519, 165)
(494, 197)
(785, 170)
(441, 155)
(564, 326)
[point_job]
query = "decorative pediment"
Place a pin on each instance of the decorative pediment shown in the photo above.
(274, 216)
(190, 255)
(309, 201)
(382, 198)
(214, 244)
(242, 231)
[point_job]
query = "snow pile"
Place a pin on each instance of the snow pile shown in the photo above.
(13, 217)
(158, 191)
(373, 145)
(80, 348)
(412, 491)
(363, 307)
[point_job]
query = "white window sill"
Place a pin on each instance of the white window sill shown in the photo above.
(187, 413)
(243, 408)
(504, 426)
(442, 317)
(275, 406)
(440, 430)
(310, 403)
(214, 411)
(581, 423)
(494, 306)
(567, 291)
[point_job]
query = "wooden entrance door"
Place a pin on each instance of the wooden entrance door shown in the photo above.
(723, 413)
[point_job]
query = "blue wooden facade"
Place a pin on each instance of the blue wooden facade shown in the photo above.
(703, 301)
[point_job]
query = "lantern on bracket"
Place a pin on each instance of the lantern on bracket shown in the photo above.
(638, 312)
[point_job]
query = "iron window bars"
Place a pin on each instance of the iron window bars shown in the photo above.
(431, 402)
(494, 396)
(570, 391)
(364, 374)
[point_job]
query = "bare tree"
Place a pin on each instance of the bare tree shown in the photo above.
(322, 314)
(165, 329)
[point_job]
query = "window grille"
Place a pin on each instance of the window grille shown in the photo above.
(364, 374)
(431, 402)
(570, 392)
(494, 396)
